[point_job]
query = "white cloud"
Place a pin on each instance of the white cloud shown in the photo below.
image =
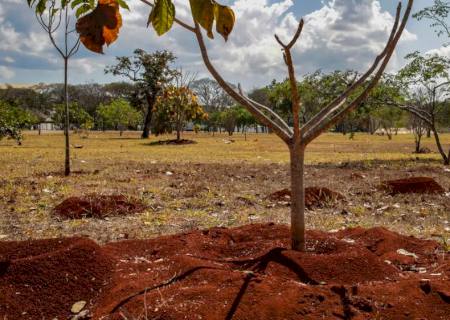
(342, 34)
(442, 51)
(9, 59)
(6, 73)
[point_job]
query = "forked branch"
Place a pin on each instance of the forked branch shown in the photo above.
(337, 103)
(293, 81)
(326, 123)
(256, 112)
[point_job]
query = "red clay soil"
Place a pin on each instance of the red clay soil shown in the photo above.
(97, 206)
(412, 185)
(241, 273)
(315, 197)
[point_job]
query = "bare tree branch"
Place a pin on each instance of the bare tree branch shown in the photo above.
(258, 114)
(267, 109)
(293, 81)
(325, 124)
(339, 101)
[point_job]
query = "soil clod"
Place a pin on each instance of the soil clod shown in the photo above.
(315, 197)
(97, 206)
(412, 185)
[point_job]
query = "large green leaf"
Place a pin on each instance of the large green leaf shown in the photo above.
(40, 7)
(123, 4)
(203, 13)
(162, 16)
(76, 3)
(82, 10)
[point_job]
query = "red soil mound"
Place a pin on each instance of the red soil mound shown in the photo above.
(314, 196)
(43, 279)
(412, 185)
(241, 273)
(97, 206)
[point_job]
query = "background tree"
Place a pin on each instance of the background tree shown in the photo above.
(177, 106)
(205, 14)
(211, 95)
(438, 14)
(229, 120)
(78, 116)
(425, 80)
(151, 72)
(13, 119)
(418, 128)
(119, 115)
(244, 119)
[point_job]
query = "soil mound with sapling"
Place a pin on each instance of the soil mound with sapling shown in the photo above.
(98, 206)
(172, 142)
(412, 185)
(242, 273)
(315, 197)
(43, 279)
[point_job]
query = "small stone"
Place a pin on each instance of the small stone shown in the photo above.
(83, 315)
(78, 306)
(407, 253)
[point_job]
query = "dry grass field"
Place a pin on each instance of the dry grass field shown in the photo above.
(215, 182)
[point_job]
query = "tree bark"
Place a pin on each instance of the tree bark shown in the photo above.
(67, 122)
(297, 155)
(148, 116)
(440, 148)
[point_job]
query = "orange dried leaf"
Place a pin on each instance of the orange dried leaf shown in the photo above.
(101, 26)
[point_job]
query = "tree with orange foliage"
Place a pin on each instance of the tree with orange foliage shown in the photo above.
(175, 108)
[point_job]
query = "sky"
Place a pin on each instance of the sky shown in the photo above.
(338, 35)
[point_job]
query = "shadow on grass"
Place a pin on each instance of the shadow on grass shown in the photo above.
(173, 142)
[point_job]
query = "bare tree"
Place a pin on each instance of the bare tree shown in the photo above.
(301, 135)
(204, 13)
(52, 18)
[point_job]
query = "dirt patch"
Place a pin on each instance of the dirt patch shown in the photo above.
(315, 197)
(97, 206)
(242, 273)
(412, 185)
(172, 142)
(43, 279)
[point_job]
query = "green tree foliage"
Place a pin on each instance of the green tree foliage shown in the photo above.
(79, 118)
(174, 109)
(425, 81)
(438, 14)
(151, 72)
(13, 119)
(118, 115)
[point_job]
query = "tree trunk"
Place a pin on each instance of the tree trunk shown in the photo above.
(148, 116)
(178, 134)
(418, 142)
(297, 155)
(440, 148)
(67, 122)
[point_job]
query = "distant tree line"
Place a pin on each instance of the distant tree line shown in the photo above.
(161, 99)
